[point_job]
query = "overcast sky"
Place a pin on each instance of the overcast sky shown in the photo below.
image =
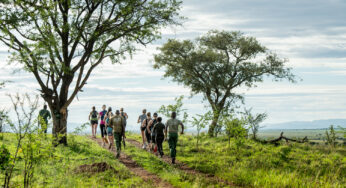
(310, 33)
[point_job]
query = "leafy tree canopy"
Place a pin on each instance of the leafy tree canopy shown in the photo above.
(62, 41)
(218, 63)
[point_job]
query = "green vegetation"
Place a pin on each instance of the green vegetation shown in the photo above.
(62, 168)
(155, 165)
(216, 64)
(62, 42)
(264, 165)
(331, 136)
(177, 107)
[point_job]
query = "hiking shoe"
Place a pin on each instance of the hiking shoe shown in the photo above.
(173, 160)
(117, 156)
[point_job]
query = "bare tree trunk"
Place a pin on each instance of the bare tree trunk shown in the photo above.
(59, 126)
(213, 125)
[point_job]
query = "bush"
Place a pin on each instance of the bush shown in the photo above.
(234, 128)
(4, 157)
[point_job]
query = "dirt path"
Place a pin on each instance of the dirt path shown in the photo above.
(136, 169)
(184, 167)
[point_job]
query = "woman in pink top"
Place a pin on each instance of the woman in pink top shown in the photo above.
(102, 115)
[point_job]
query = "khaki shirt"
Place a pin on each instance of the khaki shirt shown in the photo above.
(173, 125)
(117, 123)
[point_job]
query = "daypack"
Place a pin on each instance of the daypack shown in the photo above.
(94, 115)
(117, 124)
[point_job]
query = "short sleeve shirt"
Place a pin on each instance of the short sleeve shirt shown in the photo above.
(172, 125)
(159, 128)
(142, 118)
(102, 115)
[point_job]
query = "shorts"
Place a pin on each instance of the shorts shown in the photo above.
(109, 131)
(103, 130)
(148, 136)
(92, 122)
(143, 128)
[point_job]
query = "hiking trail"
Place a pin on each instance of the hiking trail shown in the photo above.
(136, 169)
(184, 167)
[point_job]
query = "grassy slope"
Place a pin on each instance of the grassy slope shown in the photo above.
(58, 171)
(166, 171)
(259, 165)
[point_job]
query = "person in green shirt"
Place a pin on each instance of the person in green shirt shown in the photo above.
(44, 114)
(172, 127)
(118, 124)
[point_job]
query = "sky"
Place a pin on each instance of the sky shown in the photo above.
(310, 33)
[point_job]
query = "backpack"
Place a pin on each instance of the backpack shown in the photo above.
(117, 124)
(94, 115)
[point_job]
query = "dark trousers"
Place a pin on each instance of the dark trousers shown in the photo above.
(172, 141)
(103, 130)
(148, 136)
(117, 138)
(159, 141)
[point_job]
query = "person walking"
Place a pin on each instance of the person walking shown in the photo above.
(172, 127)
(151, 133)
(147, 132)
(101, 117)
(141, 118)
(158, 130)
(93, 118)
(109, 129)
(117, 123)
(124, 115)
(44, 114)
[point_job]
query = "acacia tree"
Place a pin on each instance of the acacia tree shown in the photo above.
(218, 63)
(62, 41)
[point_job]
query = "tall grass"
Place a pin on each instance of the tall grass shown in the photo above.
(261, 165)
(59, 170)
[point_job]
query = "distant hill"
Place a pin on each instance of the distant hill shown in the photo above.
(316, 124)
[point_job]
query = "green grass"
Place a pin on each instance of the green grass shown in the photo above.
(260, 165)
(59, 169)
(171, 174)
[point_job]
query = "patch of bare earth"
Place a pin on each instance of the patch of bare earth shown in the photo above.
(186, 168)
(136, 169)
(94, 168)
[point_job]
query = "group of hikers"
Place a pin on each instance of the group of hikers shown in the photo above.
(153, 131)
(112, 126)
